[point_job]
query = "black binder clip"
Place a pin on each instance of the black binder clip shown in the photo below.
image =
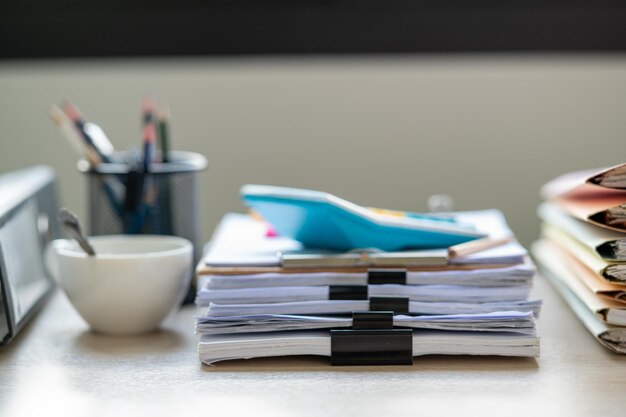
(399, 305)
(347, 292)
(371, 341)
(386, 276)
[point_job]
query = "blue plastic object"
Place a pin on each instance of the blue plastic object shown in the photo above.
(321, 220)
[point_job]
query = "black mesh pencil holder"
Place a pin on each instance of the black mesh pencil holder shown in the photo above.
(123, 199)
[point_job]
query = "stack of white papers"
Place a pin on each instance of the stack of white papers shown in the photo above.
(256, 305)
(246, 346)
(425, 293)
(348, 306)
(505, 321)
(519, 274)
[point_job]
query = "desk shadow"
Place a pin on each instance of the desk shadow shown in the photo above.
(431, 363)
(161, 341)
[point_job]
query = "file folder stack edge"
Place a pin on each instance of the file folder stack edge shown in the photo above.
(581, 255)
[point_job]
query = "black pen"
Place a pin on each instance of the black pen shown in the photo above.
(93, 136)
(163, 119)
(149, 133)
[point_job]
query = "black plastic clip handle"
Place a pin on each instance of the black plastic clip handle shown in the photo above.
(386, 276)
(347, 292)
(371, 347)
(372, 320)
(399, 305)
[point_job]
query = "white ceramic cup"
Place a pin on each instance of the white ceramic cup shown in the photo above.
(132, 283)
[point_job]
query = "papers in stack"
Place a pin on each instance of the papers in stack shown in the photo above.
(520, 274)
(609, 272)
(245, 346)
(348, 306)
(599, 316)
(607, 244)
(582, 250)
(257, 306)
(505, 321)
(424, 293)
(598, 198)
(609, 307)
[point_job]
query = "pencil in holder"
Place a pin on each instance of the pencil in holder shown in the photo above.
(124, 199)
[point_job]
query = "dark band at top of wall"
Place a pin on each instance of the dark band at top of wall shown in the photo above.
(117, 28)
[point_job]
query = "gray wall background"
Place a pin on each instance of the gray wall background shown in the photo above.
(387, 132)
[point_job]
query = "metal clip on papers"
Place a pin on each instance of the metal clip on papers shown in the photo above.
(399, 305)
(360, 292)
(386, 276)
(371, 341)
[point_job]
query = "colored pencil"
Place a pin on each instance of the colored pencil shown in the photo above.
(99, 144)
(149, 133)
(473, 246)
(163, 120)
(67, 128)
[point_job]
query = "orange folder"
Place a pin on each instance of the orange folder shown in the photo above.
(595, 196)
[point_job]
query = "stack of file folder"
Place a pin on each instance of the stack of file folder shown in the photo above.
(582, 250)
(264, 294)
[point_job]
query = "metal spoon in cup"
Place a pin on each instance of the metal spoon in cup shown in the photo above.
(72, 224)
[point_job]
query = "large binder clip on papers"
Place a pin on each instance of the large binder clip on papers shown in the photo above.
(372, 340)
(267, 295)
(583, 248)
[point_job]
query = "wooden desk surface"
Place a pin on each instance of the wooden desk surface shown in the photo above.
(58, 367)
